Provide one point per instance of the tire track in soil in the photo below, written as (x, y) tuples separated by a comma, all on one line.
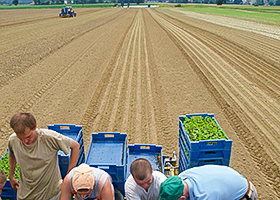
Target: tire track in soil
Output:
[(95, 117), (61, 26), (124, 106), (200, 65), (259, 102), (32, 21), (16, 36), (261, 46), (28, 104), (254, 62), (126, 102), (162, 121), (30, 60)]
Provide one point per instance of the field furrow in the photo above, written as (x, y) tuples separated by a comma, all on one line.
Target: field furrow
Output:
[(137, 70)]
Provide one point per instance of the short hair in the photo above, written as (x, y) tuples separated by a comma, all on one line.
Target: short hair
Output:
[(20, 121), (141, 168), (3, 177)]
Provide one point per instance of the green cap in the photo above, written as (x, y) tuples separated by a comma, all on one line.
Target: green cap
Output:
[(172, 188)]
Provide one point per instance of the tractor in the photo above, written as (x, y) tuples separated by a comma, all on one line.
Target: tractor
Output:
[(67, 12)]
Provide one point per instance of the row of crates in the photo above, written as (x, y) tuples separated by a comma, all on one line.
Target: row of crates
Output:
[(107, 151), (110, 152), (203, 152)]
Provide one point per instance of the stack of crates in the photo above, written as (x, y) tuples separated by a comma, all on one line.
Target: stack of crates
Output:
[(7, 191), (108, 151), (151, 152), (198, 153), (75, 132)]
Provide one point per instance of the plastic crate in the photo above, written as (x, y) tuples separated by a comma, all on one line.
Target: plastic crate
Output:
[(64, 160), (7, 191), (70, 130), (74, 132), (198, 153), (151, 152), (108, 151)]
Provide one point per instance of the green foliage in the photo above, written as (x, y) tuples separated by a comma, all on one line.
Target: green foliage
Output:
[(37, 2), (219, 2), (199, 128), (4, 164), (277, 3), (15, 2)]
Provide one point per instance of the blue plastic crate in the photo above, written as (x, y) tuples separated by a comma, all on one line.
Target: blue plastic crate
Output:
[(108, 151), (70, 130), (198, 153), (151, 152), (7, 191), (182, 161), (64, 160), (74, 132)]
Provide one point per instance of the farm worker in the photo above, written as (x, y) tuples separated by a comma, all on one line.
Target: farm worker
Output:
[(35, 150), (87, 182), (3, 179), (143, 183), (208, 182)]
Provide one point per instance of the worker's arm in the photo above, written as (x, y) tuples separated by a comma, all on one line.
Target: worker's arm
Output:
[(75, 148), (13, 181), (107, 192), (65, 189)]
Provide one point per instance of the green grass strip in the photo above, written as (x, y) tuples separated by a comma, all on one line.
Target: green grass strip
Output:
[(262, 14)]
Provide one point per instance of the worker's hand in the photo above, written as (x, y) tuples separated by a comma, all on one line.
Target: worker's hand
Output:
[(14, 183)]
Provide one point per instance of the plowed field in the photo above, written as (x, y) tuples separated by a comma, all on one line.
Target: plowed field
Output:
[(136, 70)]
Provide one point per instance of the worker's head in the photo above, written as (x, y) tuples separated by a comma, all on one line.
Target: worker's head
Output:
[(172, 189), (24, 125), (83, 180), (3, 179), (142, 172)]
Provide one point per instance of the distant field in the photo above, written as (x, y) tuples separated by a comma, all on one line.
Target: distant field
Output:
[(53, 6), (263, 14)]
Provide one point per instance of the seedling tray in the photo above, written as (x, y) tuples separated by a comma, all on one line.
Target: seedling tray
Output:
[(202, 152), (7, 191)]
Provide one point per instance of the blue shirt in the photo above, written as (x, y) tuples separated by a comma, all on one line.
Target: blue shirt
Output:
[(214, 182)]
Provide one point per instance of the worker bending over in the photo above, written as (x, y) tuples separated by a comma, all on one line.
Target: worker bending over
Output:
[(87, 182), (35, 151), (208, 182), (143, 183)]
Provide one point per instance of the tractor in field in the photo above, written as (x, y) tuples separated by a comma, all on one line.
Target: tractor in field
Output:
[(67, 12)]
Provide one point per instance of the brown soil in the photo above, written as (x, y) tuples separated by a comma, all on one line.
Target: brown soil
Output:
[(135, 71)]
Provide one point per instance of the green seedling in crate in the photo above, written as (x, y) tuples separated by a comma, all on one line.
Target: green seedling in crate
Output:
[(200, 128), (4, 165)]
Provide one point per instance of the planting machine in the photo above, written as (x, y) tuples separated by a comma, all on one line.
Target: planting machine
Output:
[(67, 12), (111, 152)]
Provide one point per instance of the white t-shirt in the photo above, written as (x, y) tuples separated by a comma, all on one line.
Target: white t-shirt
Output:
[(136, 192)]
